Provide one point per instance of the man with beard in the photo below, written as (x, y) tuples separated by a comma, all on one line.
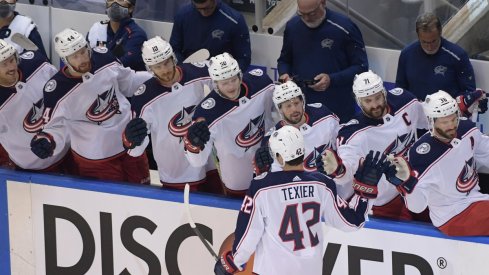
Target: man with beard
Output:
[(120, 34), (85, 103), (12, 22), (389, 123), (231, 121), (316, 122), (327, 49), (445, 161), (433, 63), (164, 106)]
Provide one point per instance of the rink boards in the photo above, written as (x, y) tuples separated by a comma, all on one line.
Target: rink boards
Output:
[(56, 225)]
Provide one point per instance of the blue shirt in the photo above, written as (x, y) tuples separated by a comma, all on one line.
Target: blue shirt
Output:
[(449, 70), (34, 36), (223, 31), (126, 44), (336, 48)]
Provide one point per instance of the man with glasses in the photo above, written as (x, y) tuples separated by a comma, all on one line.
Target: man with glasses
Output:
[(120, 34), (12, 22), (433, 63), (327, 49), (213, 25)]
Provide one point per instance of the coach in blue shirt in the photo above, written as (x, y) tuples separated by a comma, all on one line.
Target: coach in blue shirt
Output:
[(323, 45), (213, 25), (433, 63)]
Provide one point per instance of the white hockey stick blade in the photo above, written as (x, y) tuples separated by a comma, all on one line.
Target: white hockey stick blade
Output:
[(198, 56), (24, 42), (207, 90)]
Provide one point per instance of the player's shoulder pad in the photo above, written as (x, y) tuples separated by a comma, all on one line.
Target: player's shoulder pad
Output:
[(425, 151), (101, 56), (56, 88), (212, 107), (192, 71), (398, 98), (31, 61), (256, 82), (318, 111), (318, 176), (351, 127), (273, 129), (464, 126)]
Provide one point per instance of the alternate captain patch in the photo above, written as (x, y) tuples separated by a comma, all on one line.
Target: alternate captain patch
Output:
[(423, 148), (208, 103), (50, 86), (140, 90), (256, 72)]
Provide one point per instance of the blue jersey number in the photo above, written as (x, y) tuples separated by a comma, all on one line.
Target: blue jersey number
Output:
[(290, 229)]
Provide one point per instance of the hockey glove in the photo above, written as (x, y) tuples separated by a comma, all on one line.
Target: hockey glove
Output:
[(401, 175), (134, 134), (368, 174), (330, 164), (197, 136), (469, 101), (42, 145), (262, 161), (226, 266)]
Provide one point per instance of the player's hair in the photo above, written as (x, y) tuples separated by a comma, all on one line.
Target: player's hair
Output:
[(427, 22), (297, 161)]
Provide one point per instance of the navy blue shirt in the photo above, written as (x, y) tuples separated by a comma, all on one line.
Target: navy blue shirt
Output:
[(34, 36), (449, 70), (223, 31), (335, 47)]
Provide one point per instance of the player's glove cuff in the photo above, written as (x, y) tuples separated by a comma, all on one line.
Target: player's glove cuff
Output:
[(226, 265), (365, 190), (331, 164)]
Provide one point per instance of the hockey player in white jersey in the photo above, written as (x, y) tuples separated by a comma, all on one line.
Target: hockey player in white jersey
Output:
[(388, 123), (164, 106), (280, 218), (317, 123), (231, 120), (22, 106), (86, 103), (446, 160)]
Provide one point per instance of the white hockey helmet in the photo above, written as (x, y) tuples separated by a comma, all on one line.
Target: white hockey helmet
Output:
[(6, 50), (439, 104), (67, 42), (157, 50), (286, 91), (223, 66), (288, 142), (366, 84)]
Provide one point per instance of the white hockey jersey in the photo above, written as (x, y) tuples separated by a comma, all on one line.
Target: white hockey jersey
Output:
[(93, 110), (393, 134), (280, 221), (21, 112), (168, 113), (448, 180), (320, 131), (237, 127)]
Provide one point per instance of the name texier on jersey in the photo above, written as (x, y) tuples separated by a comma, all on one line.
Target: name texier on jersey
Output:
[(280, 221)]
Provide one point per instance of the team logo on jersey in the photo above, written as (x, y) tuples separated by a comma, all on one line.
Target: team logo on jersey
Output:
[(200, 64), (208, 103), (141, 89), (327, 43), (423, 148), (181, 121), (104, 107), (101, 49), (310, 160), (315, 105), (50, 86), (217, 34), (253, 132), (468, 177), (396, 91), (440, 70), (400, 146), (256, 72), (27, 55), (33, 120)]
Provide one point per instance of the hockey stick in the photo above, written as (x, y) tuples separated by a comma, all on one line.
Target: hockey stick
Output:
[(186, 195), (198, 56), (24, 42), (207, 90)]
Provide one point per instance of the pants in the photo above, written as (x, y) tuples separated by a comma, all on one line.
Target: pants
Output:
[(473, 221), (395, 209)]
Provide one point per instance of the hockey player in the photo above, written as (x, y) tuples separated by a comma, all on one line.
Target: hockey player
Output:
[(232, 119), (317, 123), (86, 103), (446, 160), (22, 107), (120, 34), (280, 216), (164, 105), (12, 22), (388, 123)]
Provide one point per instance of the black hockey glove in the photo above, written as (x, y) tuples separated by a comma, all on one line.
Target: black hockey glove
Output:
[(42, 145), (134, 134), (197, 136), (226, 266), (369, 173), (262, 161), (400, 174)]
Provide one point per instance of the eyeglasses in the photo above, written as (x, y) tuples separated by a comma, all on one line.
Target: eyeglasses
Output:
[(312, 13)]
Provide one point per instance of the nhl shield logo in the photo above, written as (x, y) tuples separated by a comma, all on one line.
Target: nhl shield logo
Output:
[(104, 107), (33, 121), (253, 133), (181, 121)]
